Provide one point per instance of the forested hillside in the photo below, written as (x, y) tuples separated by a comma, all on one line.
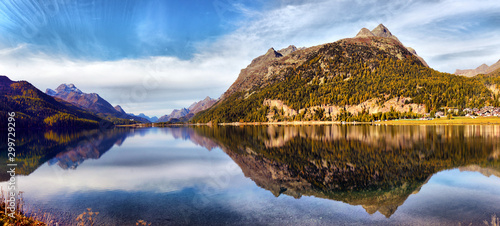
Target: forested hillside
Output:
[(350, 72), (34, 109)]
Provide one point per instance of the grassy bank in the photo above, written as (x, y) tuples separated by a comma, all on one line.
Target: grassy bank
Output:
[(461, 120), (19, 219), (445, 121)]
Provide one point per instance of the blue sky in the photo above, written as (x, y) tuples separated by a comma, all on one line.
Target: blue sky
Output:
[(116, 29), (153, 56)]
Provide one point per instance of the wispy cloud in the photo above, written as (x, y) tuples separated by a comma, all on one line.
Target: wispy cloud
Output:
[(448, 34), (166, 81)]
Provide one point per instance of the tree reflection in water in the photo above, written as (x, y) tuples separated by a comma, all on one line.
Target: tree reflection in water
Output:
[(377, 167)]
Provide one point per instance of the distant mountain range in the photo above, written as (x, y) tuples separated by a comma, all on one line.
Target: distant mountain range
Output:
[(185, 114), (369, 77), (482, 69), (33, 108), (142, 115), (69, 106), (91, 102)]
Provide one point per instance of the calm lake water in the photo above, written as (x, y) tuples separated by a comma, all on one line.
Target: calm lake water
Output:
[(278, 175)]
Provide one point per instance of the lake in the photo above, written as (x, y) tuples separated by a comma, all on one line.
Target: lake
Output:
[(261, 175)]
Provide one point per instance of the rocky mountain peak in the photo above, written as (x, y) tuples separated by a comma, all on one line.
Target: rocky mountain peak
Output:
[(188, 113), (119, 108), (482, 67), (88, 101), (287, 50), (273, 53), (382, 31), (50, 92), (412, 50), (68, 88), (207, 99), (364, 33), (201, 105)]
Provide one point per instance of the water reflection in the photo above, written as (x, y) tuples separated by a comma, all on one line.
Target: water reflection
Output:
[(66, 148), (91, 148), (377, 167)]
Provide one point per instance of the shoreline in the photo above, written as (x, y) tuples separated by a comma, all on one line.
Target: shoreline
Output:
[(492, 120)]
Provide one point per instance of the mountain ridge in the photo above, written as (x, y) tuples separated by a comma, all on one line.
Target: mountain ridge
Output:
[(185, 114), (383, 31), (142, 115), (92, 102), (481, 69), (34, 108), (326, 81)]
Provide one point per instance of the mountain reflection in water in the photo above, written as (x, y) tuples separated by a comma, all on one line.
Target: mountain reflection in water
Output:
[(377, 167), (66, 148)]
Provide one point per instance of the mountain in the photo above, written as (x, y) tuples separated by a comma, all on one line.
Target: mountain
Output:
[(264, 67), (364, 32), (93, 103), (382, 31), (492, 82), (142, 115), (482, 69), (174, 115), (185, 114), (367, 75), (119, 109), (201, 105), (90, 101), (33, 108), (288, 50)]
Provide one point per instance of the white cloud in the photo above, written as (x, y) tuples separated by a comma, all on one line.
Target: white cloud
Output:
[(433, 28), (127, 82)]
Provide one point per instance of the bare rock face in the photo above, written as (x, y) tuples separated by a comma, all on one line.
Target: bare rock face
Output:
[(271, 54), (287, 50), (482, 69), (119, 108), (202, 105), (365, 33), (382, 31), (372, 106), (412, 51)]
